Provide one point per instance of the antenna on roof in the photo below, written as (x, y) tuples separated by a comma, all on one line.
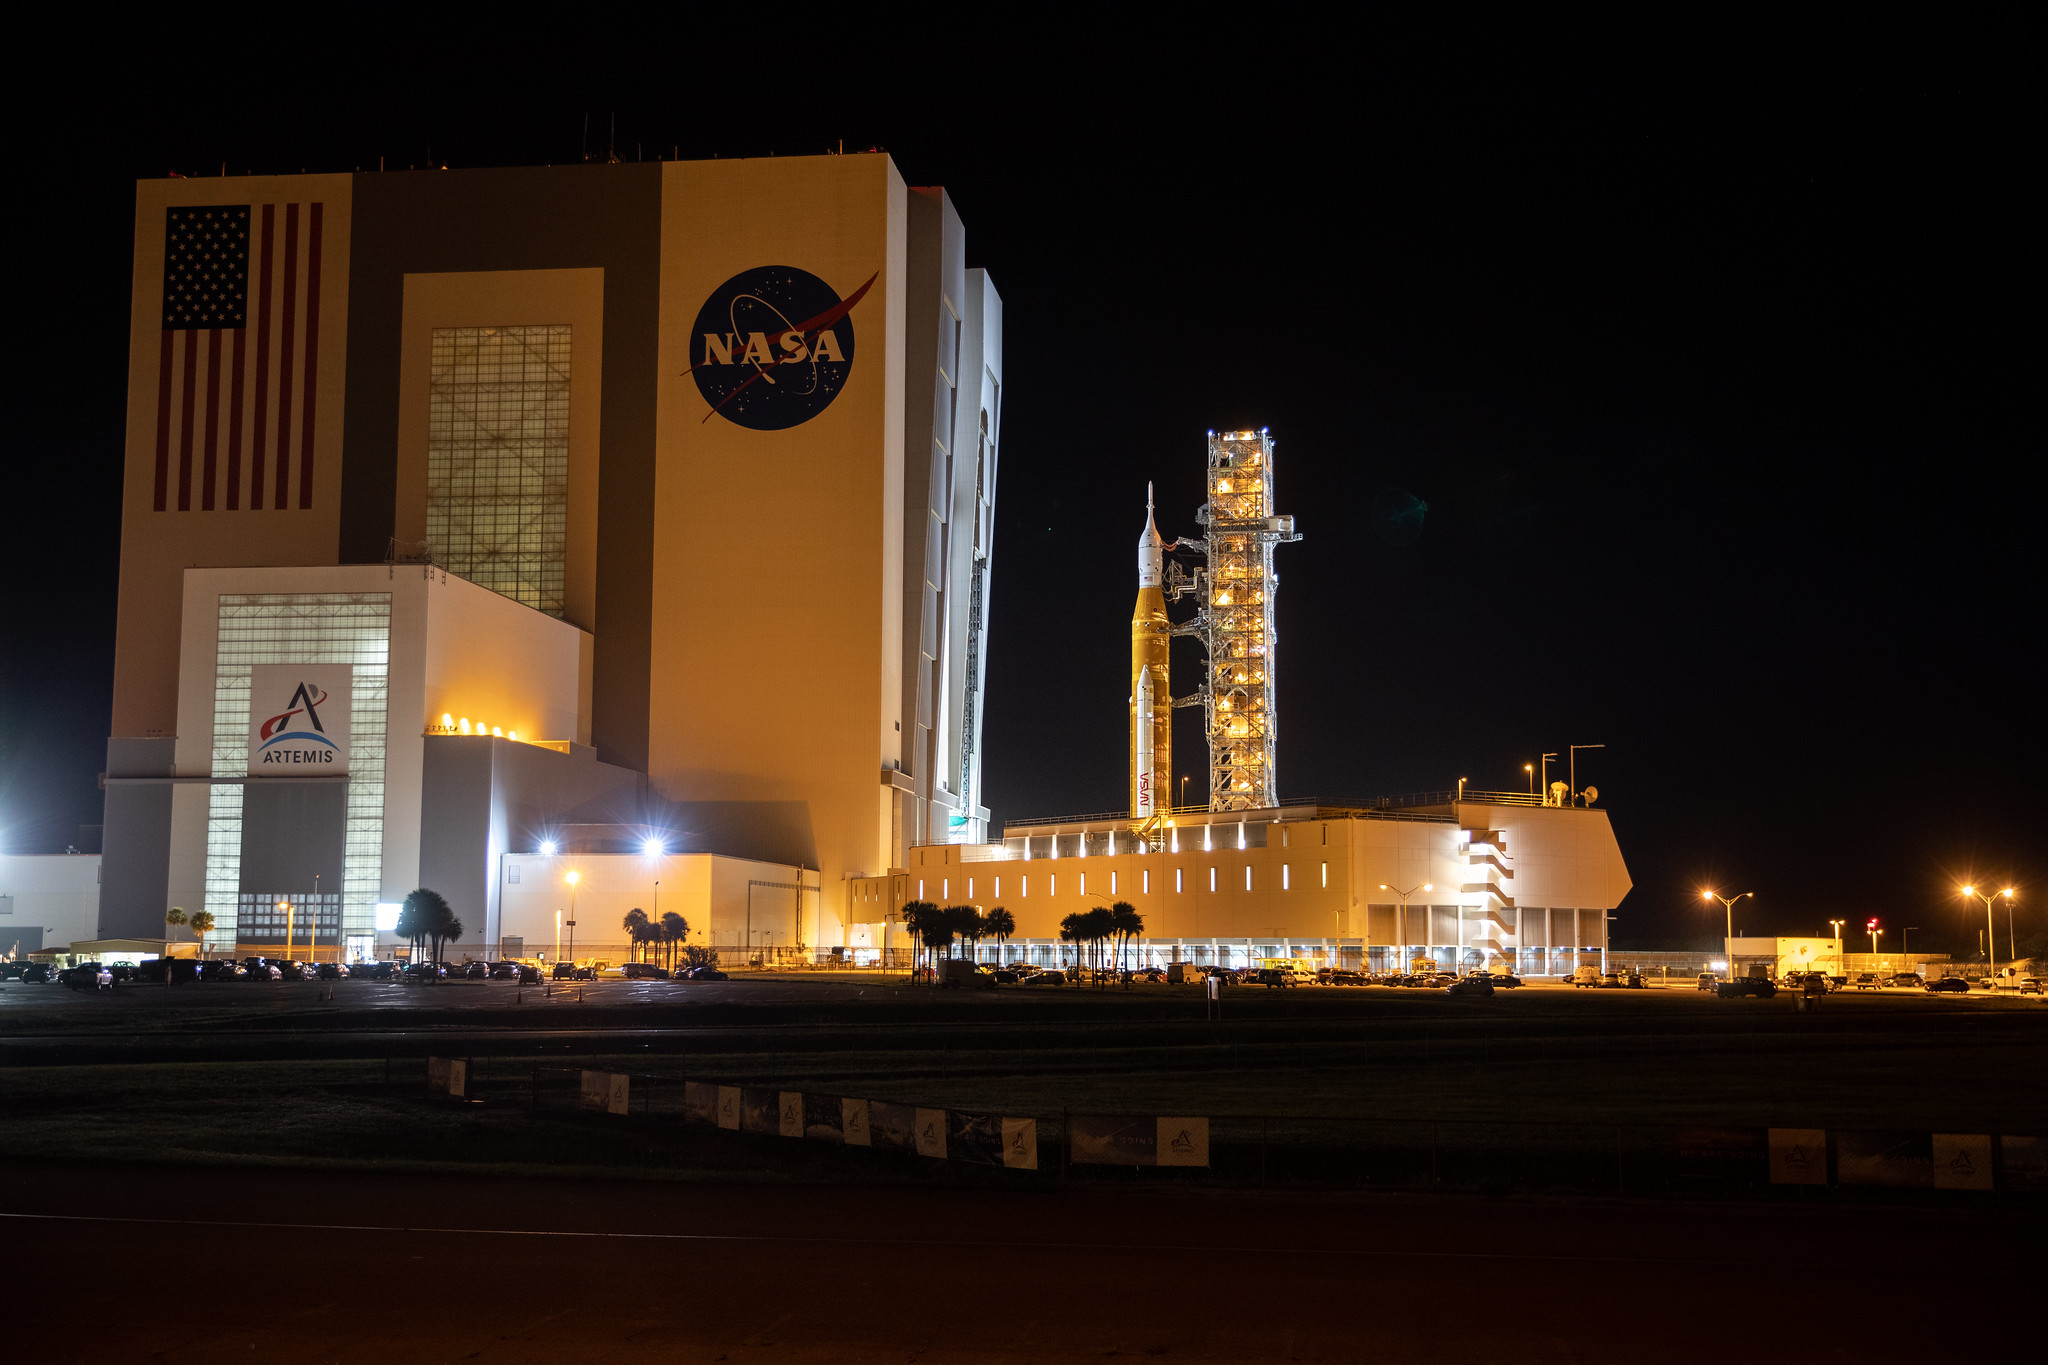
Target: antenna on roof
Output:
[(584, 153), (611, 150)]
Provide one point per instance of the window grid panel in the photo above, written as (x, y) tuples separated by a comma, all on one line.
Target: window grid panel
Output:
[(498, 459), (300, 628)]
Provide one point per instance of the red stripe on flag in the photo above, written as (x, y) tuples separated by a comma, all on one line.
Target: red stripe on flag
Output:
[(312, 353), (163, 422), (285, 338), (212, 462), (188, 391), (262, 429), (235, 423)]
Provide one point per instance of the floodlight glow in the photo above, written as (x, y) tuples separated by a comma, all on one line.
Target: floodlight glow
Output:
[(573, 878), (652, 848), (387, 915), (547, 848)]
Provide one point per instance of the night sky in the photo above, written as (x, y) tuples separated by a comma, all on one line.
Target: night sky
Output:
[(1664, 395)]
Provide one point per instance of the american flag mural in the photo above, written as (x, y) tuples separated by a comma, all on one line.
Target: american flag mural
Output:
[(240, 357)]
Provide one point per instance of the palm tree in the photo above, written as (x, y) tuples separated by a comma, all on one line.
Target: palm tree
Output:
[(999, 924), (1072, 931), (918, 917), (965, 923), (674, 929), (175, 918), (202, 925), (427, 915), (1097, 926), (1127, 923), (636, 925)]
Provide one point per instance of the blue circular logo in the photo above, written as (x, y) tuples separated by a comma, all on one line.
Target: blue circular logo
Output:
[(773, 346)]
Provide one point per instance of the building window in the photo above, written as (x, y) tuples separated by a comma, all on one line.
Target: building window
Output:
[(1176, 880), (999, 888), (1024, 887), (351, 628), (946, 888), (920, 888), (1326, 875), (1212, 879), (1112, 883), (1145, 881), (1284, 883), (1247, 876), (1052, 883), (498, 459), (1084, 882)]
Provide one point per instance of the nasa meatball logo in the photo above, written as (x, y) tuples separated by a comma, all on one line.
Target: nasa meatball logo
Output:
[(773, 346)]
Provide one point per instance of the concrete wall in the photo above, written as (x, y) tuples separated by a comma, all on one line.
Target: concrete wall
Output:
[(56, 893)]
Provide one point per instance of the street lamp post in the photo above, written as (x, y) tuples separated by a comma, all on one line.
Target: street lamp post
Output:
[(1906, 953), (286, 906), (1875, 934), (572, 879), (1404, 895), (1991, 929), (1728, 903)]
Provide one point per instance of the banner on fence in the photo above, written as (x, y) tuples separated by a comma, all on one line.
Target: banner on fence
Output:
[(853, 1123), (823, 1121), (448, 1075), (790, 1114), (974, 1138), (931, 1133), (1877, 1157), (605, 1091), (729, 1107), (1020, 1144), (893, 1125), (1799, 1156), (1183, 1142), (760, 1111), (700, 1102), (2025, 1160), (1713, 1147), (1962, 1161)]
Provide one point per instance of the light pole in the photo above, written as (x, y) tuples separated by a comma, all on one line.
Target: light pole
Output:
[(313, 925), (1575, 765), (573, 878), (1404, 895), (1545, 760), (1728, 903), (1836, 925), (1905, 953), (1530, 769), (1874, 934), (1990, 929)]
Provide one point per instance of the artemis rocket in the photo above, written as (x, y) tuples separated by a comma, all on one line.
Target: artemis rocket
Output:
[(1151, 696)]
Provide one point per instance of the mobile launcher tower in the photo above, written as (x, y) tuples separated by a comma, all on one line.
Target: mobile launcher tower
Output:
[(1233, 621)]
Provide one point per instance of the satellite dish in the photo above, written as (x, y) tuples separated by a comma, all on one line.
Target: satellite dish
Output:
[(1592, 795)]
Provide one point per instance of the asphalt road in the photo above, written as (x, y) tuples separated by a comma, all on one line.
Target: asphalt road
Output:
[(192, 1264)]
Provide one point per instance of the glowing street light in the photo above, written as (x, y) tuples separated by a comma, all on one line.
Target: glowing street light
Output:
[(572, 878), (1836, 925), (1404, 895), (1990, 929), (547, 848), (1728, 903), (1875, 934)]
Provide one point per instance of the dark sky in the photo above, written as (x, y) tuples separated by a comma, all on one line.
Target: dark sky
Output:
[(1703, 350)]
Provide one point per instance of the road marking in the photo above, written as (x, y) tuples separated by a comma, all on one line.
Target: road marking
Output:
[(1355, 1253)]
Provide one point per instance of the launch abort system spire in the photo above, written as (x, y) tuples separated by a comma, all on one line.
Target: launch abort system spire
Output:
[(1235, 623)]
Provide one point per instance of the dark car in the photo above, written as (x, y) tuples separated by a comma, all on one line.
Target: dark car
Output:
[(332, 971), (1708, 981), (261, 969), (38, 974), (705, 974), (1005, 976), (1748, 985), (1477, 984), (1503, 981), (11, 971), (1949, 985), (373, 971), (425, 971), (1868, 981), (504, 971), (87, 976), (297, 971), (473, 971), (1345, 978), (178, 970), (1051, 978), (222, 969), (645, 971), (529, 975), (1912, 979), (564, 971)]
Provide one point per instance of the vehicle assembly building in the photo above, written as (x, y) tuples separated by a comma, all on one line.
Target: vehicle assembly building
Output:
[(622, 510)]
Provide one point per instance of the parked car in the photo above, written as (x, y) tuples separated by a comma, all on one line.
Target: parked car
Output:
[(1272, 978), (38, 974), (1868, 981), (222, 969), (1479, 983), (1586, 976), (297, 971), (2030, 985), (88, 976), (374, 971), (564, 971), (1913, 979), (1748, 985), (645, 971), (333, 971), (1952, 985), (261, 969), (957, 973), (705, 974), (176, 970), (1344, 978), (1048, 978), (1709, 982), (11, 971), (1006, 976), (425, 971)]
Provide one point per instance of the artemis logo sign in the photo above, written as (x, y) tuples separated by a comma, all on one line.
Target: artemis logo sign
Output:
[(299, 719), (773, 346)]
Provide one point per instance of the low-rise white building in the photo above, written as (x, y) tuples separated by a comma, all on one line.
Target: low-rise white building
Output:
[(47, 899)]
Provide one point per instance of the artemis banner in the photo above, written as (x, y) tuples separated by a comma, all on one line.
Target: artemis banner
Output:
[(299, 719)]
